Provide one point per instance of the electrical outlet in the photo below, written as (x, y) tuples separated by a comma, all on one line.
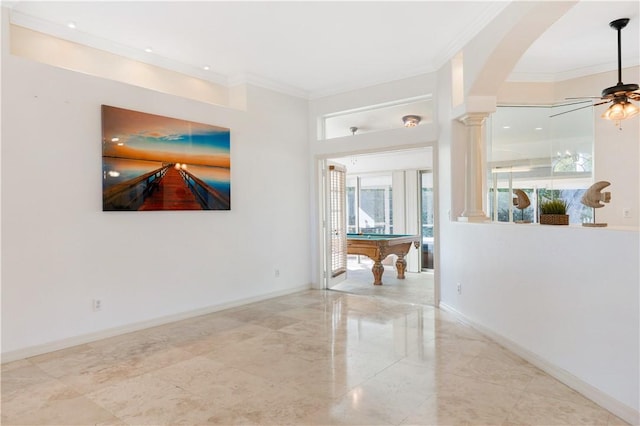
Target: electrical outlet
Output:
[(626, 213), (459, 288), (97, 305)]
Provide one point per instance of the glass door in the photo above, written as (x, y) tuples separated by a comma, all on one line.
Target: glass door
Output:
[(336, 224), (375, 204), (426, 218)]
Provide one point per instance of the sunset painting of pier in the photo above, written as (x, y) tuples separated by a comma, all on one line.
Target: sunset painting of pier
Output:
[(151, 162)]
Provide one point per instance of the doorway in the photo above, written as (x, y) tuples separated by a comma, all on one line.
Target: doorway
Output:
[(391, 192)]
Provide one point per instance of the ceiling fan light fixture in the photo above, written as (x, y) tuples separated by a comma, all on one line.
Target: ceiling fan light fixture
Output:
[(630, 110), (411, 120), (620, 110), (620, 95), (615, 112)]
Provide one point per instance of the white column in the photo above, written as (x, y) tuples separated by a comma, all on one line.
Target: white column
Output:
[(474, 168)]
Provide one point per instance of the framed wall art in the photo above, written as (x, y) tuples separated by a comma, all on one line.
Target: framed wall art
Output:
[(151, 162)]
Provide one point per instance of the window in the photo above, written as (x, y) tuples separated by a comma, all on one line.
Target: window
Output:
[(426, 203), (352, 204), (546, 151), (369, 204), (426, 218)]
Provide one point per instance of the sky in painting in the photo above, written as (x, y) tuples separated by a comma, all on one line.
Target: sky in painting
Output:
[(141, 136)]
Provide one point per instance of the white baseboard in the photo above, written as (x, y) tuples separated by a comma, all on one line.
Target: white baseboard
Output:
[(607, 402), (115, 331)]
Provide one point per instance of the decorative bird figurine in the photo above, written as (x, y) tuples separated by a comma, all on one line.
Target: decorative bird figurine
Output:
[(594, 197)]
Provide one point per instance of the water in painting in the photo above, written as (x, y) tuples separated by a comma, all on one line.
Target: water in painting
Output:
[(150, 162)]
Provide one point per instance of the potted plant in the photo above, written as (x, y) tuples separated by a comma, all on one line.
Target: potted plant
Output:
[(554, 212)]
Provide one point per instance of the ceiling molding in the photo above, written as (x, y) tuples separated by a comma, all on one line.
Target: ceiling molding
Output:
[(364, 83), (521, 77), (265, 83), (471, 31), (80, 37), (318, 89)]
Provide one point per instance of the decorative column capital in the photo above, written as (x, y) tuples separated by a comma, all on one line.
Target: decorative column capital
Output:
[(474, 119)]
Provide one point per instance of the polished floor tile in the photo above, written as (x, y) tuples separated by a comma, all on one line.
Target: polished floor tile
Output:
[(415, 288), (380, 356)]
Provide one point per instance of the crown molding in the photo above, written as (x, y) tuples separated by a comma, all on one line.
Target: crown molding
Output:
[(265, 83), (470, 32), (522, 77), (83, 38), (363, 83)]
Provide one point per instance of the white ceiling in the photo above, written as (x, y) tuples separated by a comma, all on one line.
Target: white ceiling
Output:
[(582, 43), (317, 48)]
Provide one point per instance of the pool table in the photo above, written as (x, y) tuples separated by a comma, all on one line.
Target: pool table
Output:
[(378, 246)]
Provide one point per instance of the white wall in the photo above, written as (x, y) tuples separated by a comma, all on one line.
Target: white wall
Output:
[(568, 295), (51, 50), (60, 251), (566, 298)]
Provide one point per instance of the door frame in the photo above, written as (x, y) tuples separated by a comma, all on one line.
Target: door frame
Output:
[(320, 164)]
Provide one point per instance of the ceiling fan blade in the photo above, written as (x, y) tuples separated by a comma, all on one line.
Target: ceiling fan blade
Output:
[(587, 97), (576, 109), (581, 101)]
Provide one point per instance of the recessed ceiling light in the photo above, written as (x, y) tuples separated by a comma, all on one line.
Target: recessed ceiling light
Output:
[(538, 128), (206, 68), (506, 127), (72, 25), (115, 139), (148, 50)]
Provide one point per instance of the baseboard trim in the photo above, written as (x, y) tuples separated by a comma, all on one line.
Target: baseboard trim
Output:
[(607, 402), (115, 331)]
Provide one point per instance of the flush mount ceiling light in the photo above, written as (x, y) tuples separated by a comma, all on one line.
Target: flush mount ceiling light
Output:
[(411, 120)]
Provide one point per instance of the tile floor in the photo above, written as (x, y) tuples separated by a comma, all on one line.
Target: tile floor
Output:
[(310, 358), (415, 288)]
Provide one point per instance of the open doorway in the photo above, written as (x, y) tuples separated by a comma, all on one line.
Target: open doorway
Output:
[(390, 194)]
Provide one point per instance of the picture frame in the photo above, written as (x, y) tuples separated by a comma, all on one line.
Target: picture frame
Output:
[(152, 162)]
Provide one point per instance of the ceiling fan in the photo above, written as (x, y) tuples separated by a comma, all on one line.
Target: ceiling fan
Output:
[(619, 95)]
